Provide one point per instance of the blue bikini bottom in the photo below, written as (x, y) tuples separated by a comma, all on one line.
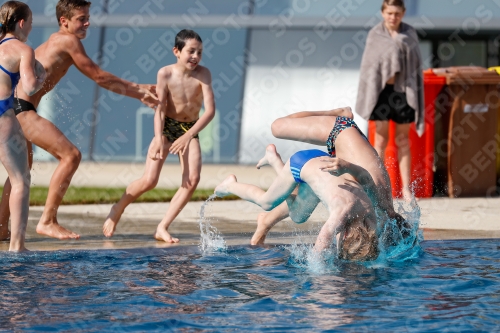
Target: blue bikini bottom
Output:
[(300, 158)]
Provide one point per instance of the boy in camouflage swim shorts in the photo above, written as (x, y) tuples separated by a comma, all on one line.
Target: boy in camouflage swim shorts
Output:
[(182, 88)]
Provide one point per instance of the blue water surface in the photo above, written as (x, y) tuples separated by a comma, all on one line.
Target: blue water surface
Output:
[(450, 286)]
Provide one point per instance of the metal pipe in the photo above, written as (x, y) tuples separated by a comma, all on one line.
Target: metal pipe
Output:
[(95, 104), (246, 51)]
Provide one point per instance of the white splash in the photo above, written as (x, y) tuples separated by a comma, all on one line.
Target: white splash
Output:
[(400, 242), (210, 238)]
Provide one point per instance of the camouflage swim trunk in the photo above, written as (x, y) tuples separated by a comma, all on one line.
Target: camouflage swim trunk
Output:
[(174, 129)]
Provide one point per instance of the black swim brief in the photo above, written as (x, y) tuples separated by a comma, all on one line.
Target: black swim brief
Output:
[(174, 129), (392, 105), (20, 105), (341, 123)]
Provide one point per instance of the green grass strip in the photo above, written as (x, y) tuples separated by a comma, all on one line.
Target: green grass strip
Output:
[(97, 195)]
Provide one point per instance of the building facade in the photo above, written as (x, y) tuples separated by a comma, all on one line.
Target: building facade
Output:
[(268, 58)]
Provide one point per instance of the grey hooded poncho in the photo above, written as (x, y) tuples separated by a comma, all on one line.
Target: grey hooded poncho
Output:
[(385, 57)]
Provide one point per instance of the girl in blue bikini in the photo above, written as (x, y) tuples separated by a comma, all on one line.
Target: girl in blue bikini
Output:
[(17, 62), (351, 218), (335, 129)]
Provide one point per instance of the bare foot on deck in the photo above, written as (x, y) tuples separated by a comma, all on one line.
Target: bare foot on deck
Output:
[(163, 235), (270, 157), (4, 234), (260, 234), (54, 230), (222, 189), (18, 250), (109, 227)]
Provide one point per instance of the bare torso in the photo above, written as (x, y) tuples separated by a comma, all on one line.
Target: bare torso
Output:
[(326, 186), (55, 58), (354, 148), (185, 96)]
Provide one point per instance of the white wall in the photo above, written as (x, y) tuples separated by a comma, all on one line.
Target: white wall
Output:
[(293, 72)]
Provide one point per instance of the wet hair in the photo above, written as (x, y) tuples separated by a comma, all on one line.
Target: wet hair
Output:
[(397, 3), (360, 244), (12, 12), (184, 35), (65, 8)]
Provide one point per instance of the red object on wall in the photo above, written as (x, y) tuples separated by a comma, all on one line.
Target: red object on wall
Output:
[(422, 148)]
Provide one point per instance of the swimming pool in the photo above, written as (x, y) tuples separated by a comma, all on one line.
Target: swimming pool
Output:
[(450, 286)]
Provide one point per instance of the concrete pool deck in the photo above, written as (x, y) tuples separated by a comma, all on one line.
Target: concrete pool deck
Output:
[(441, 218)]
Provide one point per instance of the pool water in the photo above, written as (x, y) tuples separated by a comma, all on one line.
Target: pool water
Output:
[(448, 286)]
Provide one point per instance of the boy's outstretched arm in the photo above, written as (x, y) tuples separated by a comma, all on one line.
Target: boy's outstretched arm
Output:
[(28, 69), (180, 145), (144, 92), (157, 151), (337, 166)]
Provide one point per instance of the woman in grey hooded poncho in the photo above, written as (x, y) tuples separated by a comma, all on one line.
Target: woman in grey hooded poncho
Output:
[(390, 86)]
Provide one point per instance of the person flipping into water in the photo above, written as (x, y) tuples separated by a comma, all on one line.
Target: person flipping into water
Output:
[(182, 88), (17, 64), (335, 129), (62, 50), (351, 220)]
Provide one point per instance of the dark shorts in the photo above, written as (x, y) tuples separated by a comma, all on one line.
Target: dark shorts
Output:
[(20, 105), (174, 129), (392, 105)]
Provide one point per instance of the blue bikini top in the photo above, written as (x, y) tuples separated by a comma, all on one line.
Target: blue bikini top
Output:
[(8, 103)]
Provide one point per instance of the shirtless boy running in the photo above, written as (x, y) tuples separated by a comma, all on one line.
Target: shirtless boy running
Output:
[(62, 50), (182, 88)]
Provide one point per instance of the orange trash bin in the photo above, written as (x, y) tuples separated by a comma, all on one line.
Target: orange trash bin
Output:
[(422, 148)]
